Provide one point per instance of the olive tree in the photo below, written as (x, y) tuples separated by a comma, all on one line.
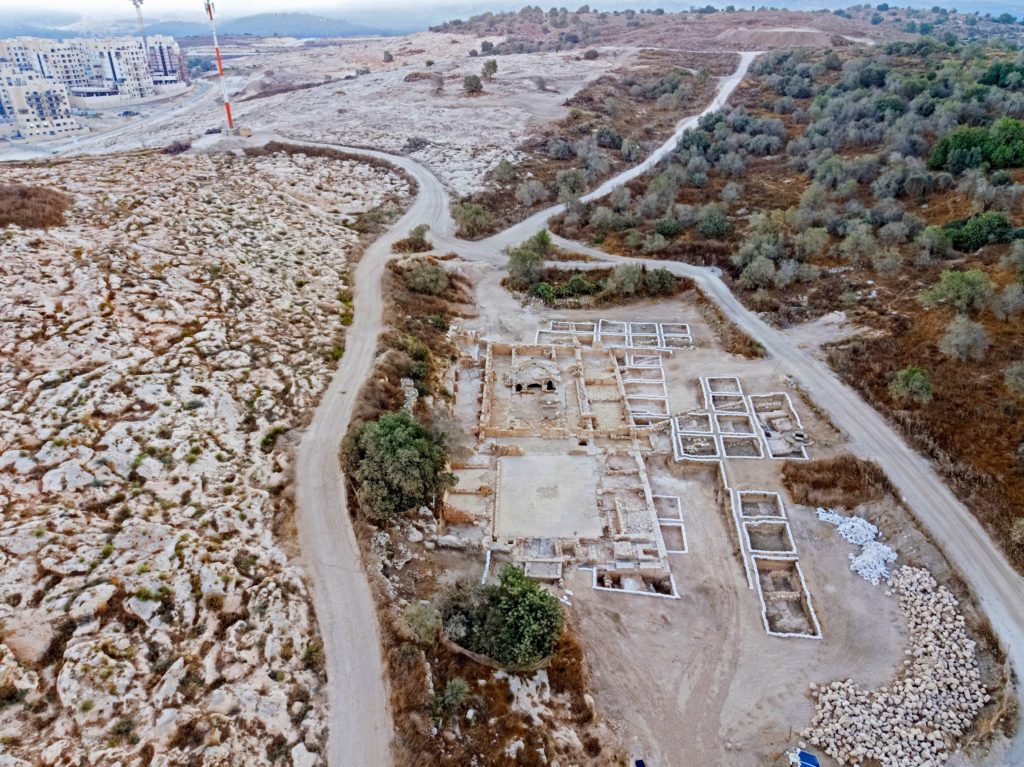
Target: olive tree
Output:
[(964, 340)]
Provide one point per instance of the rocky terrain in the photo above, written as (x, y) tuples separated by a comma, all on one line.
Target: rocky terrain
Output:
[(918, 718), (156, 352)]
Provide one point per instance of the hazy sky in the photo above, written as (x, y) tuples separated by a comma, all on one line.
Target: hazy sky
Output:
[(163, 7)]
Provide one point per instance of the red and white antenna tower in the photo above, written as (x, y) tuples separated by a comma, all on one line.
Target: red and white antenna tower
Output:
[(220, 65)]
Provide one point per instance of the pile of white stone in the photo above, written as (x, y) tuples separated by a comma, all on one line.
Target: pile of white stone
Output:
[(872, 563), (919, 717)]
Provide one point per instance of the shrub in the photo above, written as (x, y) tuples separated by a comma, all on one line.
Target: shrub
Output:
[(515, 623), (713, 223), (608, 138), (977, 231), (655, 243), (934, 242), (451, 700), (1015, 259), (504, 171), (999, 146), (660, 282), (526, 262), (590, 54), (559, 149), (630, 150), (416, 242), (571, 184), (1009, 303), (177, 147), (964, 340), (473, 220), (1014, 377), (625, 280), (759, 273), (811, 242), (531, 192), (430, 279), (472, 84), (32, 207), (544, 292), (912, 383), (490, 69), (423, 621), (968, 291), (396, 464)]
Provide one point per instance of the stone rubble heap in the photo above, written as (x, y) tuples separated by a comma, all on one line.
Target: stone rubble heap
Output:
[(872, 563), (917, 720), (157, 353)]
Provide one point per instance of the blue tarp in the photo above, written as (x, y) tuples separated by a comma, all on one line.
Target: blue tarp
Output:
[(808, 760)]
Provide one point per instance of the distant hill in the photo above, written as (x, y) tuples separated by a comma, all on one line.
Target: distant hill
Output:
[(18, 29), (294, 25)]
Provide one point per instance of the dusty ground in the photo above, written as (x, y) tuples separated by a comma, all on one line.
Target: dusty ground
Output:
[(698, 680), (158, 349)]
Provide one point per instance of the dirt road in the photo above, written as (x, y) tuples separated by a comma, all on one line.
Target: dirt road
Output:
[(359, 719)]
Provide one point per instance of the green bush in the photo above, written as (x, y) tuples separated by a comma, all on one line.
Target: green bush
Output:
[(430, 279), (968, 291), (473, 220), (660, 282), (912, 383), (625, 280), (713, 223), (968, 235), (472, 84), (396, 464), (451, 700), (526, 262), (999, 146), (759, 273), (515, 623), (544, 292)]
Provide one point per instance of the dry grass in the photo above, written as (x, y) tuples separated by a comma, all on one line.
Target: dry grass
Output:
[(730, 337), (845, 481), (32, 207)]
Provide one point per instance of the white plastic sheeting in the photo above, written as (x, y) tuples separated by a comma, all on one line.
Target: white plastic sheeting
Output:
[(872, 563)]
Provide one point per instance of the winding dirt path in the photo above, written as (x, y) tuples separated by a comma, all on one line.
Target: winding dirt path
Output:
[(359, 718)]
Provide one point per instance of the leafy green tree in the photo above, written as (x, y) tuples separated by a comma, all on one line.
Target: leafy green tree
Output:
[(625, 280), (912, 383), (660, 282), (515, 622), (713, 223), (526, 262), (968, 291), (396, 464), (472, 84), (978, 231), (490, 69)]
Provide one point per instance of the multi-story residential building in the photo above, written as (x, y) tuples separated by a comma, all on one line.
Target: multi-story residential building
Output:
[(37, 106), (100, 72)]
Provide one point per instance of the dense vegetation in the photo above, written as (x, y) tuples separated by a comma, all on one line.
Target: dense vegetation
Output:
[(397, 464), (514, 622), (887, 182)]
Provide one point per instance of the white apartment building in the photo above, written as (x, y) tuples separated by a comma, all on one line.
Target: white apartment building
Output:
[(36, 106), (100, 72)]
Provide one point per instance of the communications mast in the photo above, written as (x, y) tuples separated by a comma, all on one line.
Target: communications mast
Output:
[(142, 26), (220, 65)]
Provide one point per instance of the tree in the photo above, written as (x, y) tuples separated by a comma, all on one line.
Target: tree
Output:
[(489, 69), (964, 340), (1014, 377), (625, 280), (912, 383), (759, 273), (968, 291), (660, 282), (396, 464), (427, 278), (515, 623), (978, 231), (1015, 259), (1009, 302), (713, 223), (590, 54), (472, 84), (531, 192), (526, 262)]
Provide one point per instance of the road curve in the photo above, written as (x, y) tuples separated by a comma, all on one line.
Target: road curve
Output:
[(359, 718), (347, 617)]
